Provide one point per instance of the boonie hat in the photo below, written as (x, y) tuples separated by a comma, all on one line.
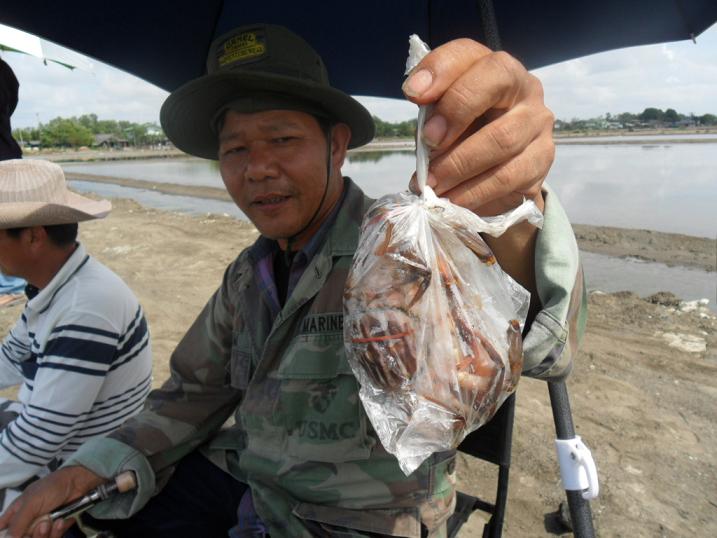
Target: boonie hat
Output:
[(252, 69), (34, 193)]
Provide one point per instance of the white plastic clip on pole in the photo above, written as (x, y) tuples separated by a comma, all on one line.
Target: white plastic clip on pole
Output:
[(577, 467)]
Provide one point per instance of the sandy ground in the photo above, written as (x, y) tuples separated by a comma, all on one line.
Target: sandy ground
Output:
[(647, 409)]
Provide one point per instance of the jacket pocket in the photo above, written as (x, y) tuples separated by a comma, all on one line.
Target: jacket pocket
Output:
[(318, 401), (338, 522)]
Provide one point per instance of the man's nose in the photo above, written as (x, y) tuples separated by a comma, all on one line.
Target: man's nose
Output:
[(261, 164)]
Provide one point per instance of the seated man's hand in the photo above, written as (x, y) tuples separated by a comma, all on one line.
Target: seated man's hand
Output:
[(24, 516), (489, 131)]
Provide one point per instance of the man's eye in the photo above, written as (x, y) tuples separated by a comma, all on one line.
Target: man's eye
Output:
[(234, 149), (284, 139)]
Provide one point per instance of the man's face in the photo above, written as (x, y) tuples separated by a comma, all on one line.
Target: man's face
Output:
[(14, 255), (273, 164)]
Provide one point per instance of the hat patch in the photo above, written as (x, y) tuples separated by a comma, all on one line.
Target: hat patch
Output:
[(242, 48)]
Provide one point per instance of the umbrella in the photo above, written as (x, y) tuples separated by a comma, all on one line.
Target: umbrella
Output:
[(363, 43), (12, 40)]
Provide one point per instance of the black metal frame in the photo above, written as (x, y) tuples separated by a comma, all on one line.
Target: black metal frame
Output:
[(492, 443)]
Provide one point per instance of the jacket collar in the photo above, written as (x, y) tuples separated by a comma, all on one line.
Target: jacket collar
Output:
[(343, 236), (342, 240)]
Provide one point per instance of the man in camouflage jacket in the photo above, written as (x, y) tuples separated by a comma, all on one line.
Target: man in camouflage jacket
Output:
[(260, 385)]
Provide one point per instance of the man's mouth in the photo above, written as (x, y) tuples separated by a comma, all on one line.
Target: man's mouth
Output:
[(272, 199)]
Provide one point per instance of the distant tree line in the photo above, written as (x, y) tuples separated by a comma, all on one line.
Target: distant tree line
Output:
[(648, 118), (404, 129), (88, 130)]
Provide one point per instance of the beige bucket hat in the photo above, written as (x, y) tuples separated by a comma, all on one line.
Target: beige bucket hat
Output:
[(34, 193)]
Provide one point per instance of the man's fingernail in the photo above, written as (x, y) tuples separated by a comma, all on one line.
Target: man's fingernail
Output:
[(435, 131), (413, 184), (431, 181), (43, 527), (418, 83)]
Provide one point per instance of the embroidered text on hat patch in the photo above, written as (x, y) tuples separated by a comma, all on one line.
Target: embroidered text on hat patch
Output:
[(245, 47)]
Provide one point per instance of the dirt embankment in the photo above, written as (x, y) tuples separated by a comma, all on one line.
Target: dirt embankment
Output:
[(667, 248), (643, 389)]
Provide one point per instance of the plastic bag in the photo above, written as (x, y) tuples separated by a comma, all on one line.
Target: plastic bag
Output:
[(432, 325)]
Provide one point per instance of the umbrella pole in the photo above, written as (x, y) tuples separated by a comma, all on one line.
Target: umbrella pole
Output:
[(580, 513), (489, 24)]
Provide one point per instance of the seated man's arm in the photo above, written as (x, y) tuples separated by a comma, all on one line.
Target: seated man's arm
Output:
[(15, 348), (192, 405), (177, 418), (64, 382)]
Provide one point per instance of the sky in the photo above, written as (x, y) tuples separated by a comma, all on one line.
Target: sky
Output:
[(680, 75)]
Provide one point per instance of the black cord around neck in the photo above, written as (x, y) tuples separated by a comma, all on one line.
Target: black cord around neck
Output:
[(292, 239)]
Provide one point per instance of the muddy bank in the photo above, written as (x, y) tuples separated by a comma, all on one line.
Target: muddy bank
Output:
[(670, 249)]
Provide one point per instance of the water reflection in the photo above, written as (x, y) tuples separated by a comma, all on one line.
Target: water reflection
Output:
[(187, 171), (375, 156), (390, 174), (158, 200), (672, 189), (595, 188), (669, 188), (609, 274), (702, 137)]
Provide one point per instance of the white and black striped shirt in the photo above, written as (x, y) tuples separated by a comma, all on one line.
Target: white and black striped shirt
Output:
[(82, 353)]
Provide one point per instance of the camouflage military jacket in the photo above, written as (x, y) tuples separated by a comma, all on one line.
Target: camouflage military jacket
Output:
[(300, 437)]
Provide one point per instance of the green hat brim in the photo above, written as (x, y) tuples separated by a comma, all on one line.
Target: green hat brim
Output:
[(188, 113)]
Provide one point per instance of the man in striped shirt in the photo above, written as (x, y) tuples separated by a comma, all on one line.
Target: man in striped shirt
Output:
[(80, 350)]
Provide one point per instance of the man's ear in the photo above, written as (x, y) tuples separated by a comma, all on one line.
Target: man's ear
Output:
[(340, 137), (36, 236)]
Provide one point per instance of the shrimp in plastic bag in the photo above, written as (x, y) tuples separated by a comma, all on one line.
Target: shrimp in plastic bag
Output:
[(432, 324)]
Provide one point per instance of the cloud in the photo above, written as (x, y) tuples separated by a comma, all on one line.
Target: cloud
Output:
[(678, 75), (391, 110), (49, 91)]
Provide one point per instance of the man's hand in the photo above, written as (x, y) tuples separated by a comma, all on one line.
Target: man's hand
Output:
[(489, 130), (491, 137), (23, 517)]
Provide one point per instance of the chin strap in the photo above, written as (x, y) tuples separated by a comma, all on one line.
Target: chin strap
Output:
[(292, 239)]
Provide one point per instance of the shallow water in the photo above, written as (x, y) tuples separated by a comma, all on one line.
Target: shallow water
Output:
[(669, 188), (701, 137), (610, 274), (158, 200), (189, 171), (663, 187)]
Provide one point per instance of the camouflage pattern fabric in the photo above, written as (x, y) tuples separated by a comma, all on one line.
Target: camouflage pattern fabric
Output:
[(300, 437)]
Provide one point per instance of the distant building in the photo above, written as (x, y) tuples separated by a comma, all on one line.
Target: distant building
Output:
[(109, 141)]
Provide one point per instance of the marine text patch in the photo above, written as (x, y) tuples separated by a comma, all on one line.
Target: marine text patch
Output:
[(320, 323)]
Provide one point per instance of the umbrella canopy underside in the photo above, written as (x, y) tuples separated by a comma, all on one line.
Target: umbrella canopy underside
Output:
[(364, 44)]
